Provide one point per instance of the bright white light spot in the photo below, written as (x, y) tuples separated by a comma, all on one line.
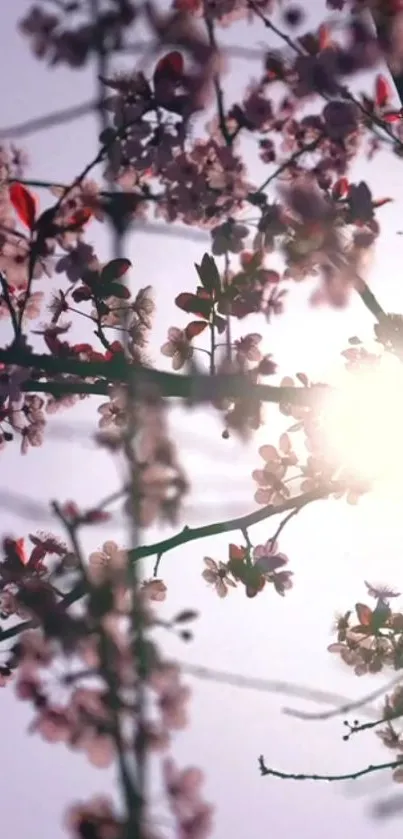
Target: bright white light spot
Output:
[(363, 425)]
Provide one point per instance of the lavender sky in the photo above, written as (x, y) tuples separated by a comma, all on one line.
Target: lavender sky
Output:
[(332, 548)]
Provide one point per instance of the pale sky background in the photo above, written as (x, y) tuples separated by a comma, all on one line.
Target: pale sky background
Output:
[(332, 547)]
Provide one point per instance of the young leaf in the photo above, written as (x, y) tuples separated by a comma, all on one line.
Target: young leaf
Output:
[(393, 116), (114, 290), (303, 378), (115, 269), (381, 202), (324, 39), (185, 616), (340, 188), (169, 67), (193, 305), (24, 204), (382, 91), (209, 274), (15, 549), (195, 328), (364, 614), (79, 218)]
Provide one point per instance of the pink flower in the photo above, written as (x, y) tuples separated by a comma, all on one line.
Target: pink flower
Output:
[(267, 557), (114, 412), (278, 460), (381, 592), (154, 589), (96, 818), (172, 696), (247, 348), (104, 563), (228, 237), (193, 815), (218, 576), (268, 560), (177, 347), (11, 380)]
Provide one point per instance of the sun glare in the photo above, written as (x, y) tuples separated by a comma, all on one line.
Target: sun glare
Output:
[(363, 425)]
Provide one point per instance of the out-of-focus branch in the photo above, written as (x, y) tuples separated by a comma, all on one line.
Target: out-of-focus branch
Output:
[(200, 388), (55, 118), (347, 707), (239, 680)]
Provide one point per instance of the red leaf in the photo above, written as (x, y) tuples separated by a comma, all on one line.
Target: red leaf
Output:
[(94, 516), (340, 188), (24, 204), (115, 269), (15, 548), (169, 67), (195, 328), (236, 553), (364, 614), (382, 91), (80, 218), (193, 304), (37, 555), (381, 202), (393, 116), (115, 349), (324, 38), (209, 274)]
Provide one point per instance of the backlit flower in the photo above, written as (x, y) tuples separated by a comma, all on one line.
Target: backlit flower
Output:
[(218, 576), (177, 347)]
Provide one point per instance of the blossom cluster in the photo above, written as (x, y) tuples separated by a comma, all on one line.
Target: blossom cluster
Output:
[(324, 225), (252, 568), (77, 705)]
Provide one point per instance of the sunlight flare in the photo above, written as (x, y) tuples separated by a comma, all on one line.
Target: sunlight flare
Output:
[(363, 424)]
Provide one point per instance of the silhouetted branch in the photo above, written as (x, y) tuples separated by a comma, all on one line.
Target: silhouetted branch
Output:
[(347, 776), (198, 388), (242, 523), (32, 126)]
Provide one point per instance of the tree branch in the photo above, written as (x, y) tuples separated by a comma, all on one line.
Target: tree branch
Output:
[(242, 523), (348, 776), (201, 388)]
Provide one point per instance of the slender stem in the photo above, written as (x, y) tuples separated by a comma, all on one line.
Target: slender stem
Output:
[(9, 304), (348, 776), (241, 523), (212, 349)]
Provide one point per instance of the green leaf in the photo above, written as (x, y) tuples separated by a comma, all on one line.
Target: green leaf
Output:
[(209, 274)]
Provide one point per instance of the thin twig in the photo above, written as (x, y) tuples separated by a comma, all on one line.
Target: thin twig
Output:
[(347, 776), (242, 523)]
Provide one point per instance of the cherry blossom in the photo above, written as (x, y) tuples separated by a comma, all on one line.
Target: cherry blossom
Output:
[(177, 347), (217, 575)]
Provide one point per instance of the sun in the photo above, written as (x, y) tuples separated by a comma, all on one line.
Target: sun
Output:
[(362, 422)]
